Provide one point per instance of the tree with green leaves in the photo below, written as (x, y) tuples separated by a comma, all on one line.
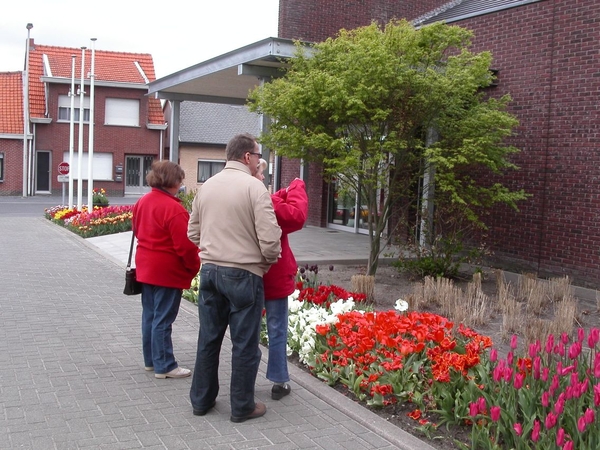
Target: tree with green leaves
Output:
[(365, 105)]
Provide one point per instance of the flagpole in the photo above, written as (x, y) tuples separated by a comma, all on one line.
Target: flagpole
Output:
[(91, 132), (71, 131), (80, 146)]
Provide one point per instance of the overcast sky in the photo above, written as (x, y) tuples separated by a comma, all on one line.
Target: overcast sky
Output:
[(177, 33)]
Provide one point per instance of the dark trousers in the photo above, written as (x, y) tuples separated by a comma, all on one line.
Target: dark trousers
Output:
[(235, 298)]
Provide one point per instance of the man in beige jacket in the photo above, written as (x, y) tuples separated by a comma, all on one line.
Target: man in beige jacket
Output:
[(234, 224)]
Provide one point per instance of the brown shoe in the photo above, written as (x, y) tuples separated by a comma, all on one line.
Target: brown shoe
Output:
[(259, 411)]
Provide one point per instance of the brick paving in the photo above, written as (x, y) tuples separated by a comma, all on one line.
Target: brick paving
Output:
[(71, 369)]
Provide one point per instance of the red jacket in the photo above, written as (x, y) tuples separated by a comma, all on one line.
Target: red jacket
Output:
[(164, 255), (291, 210)]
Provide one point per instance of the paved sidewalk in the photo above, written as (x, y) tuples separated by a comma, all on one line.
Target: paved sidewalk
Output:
[(71, 369)]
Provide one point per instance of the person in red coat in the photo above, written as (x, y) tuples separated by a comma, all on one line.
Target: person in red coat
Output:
[(291, 210), (166, 263)]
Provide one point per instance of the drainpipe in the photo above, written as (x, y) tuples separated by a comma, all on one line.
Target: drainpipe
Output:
[(26, 110)]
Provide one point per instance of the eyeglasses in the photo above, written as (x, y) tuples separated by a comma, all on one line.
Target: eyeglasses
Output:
[(257, 154)]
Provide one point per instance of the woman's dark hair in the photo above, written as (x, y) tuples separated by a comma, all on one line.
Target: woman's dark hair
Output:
[(165, 174)]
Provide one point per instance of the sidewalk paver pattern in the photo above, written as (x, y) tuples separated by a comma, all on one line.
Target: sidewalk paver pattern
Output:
[(72, 375)]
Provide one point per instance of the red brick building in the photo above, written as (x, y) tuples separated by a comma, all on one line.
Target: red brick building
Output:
[(547, 54), (128, 131)]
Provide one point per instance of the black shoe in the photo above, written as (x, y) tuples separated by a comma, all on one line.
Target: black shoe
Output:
[(202, 412), (259, 410), (278, 392)]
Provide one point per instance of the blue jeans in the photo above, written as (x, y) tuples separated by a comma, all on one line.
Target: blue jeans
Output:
[(234, 297), (160, 306), (277, 330)]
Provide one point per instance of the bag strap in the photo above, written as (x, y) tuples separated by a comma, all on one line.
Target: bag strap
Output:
[(130, 251)]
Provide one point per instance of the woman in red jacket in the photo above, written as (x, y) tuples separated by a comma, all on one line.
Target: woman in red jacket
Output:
[(166, 262), (291, 210)]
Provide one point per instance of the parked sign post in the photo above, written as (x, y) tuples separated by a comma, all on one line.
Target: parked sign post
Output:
[(63, 177)]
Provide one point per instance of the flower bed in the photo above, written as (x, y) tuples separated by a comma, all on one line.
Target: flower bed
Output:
[(97, 222)]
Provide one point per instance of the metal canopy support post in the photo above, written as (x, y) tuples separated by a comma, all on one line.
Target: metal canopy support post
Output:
[(174, 144)]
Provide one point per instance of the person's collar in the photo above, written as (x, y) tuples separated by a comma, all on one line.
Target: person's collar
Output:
[(238, 166)]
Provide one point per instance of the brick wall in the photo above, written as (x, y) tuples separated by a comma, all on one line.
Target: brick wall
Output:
[(13, 166), (316, 20), (547, 55)]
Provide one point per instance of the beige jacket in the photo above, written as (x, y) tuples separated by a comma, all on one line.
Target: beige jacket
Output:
[(233, 221)]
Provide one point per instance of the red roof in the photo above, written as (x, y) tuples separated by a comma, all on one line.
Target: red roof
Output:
[(114, 67), (11, 103)]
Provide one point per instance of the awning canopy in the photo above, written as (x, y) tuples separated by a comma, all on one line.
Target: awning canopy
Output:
[(227, 78)]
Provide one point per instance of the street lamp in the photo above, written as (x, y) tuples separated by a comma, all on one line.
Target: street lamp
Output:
[(26, 110)]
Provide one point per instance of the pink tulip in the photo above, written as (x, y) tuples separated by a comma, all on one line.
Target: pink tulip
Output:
[(535, 433), (594, 337), (481, 404), (545, 399), (537, 363), (519, 379), (597, 395), (580, 334), (581, 425), (518, 429), (513, 341), (510, 358), (493, 355), (564, 338), (597, 365), (589, 416), (550, 421), (473, 409), (574, 350), (495, 413), (560, 437), (583, 387), (559, 406), (545, 374), (508, 374), (532, 350), (549, 343), (559, 349), (568, 446)]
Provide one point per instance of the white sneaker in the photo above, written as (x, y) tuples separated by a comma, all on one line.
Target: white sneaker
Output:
[(179, 372)]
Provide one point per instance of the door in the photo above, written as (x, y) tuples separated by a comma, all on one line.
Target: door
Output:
[(42, 172), (136, 169)]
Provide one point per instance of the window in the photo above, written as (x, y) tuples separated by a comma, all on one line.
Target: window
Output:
[(64, 108), (207, 169), (102, 166), (1, 166), (123, 112)]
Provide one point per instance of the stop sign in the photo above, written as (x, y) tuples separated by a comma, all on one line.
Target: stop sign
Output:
[(63, 168)]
